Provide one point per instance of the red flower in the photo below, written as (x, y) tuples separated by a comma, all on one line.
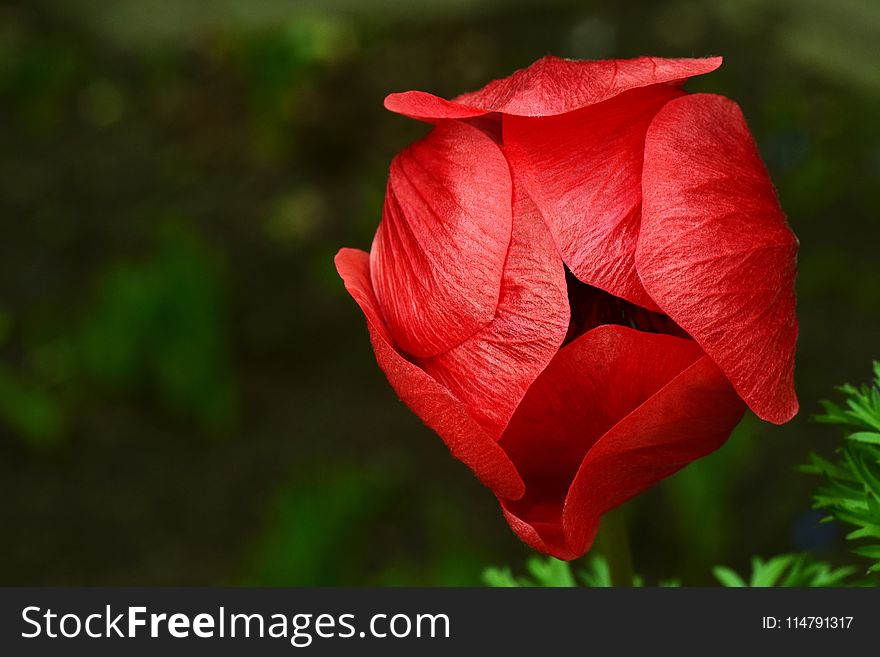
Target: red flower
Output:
[(581, 278)]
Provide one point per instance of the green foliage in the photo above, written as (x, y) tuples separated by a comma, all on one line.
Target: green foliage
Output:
[(786, 570), (851, 491), (555, 573), (862, 406), (312, 527), (30, 411), (597, 574), (35, 76), (544, 572), (158, 326), (27, 407), (278, 68)]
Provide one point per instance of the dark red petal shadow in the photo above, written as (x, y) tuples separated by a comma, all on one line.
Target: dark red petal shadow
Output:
[(584, 171), (435, 405), (491, 371), (715, 251), (552, 86), (438, 255), (581, 434)]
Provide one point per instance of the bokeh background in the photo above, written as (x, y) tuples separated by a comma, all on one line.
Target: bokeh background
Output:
[(187, 394)]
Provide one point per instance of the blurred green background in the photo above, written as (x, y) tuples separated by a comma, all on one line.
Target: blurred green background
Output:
[(187, 394)]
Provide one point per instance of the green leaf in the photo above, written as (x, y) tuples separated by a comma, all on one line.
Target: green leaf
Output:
[(865, 532), (500, 578), (871, 437), (551, 572), (597, 574), (769, 573), (728, 577), (869, 551)]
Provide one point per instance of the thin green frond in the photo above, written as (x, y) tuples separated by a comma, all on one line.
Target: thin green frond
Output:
[(547, 571), (500, 578), (597, 574), (550, 572), (850, 492), (728, 577), (786, 570)]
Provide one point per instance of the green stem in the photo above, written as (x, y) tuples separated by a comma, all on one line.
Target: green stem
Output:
[(613, 543)]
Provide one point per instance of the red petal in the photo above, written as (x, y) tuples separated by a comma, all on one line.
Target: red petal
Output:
[(687, 419), (605, 394), (428, 399), (584, 171), (715, 251), (554, 545), (423, 106), (438, 256), (553, 86), (491, 371)]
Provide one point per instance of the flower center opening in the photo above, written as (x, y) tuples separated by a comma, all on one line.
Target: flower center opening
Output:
[(592, 307)]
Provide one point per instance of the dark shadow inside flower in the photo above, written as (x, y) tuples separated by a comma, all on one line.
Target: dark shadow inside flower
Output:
[(592, 307)]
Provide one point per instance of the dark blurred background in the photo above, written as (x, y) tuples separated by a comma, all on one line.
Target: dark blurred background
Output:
[(187, 394)]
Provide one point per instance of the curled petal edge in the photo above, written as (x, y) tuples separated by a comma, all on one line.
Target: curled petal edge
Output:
[(433, 403)]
